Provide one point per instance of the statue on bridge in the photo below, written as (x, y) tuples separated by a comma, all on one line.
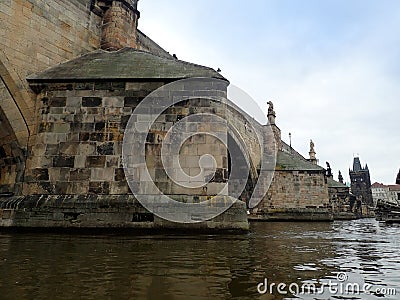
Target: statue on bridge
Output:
[(328, 170), (340, 177), (271, 107), (271, 113), (312, 146)]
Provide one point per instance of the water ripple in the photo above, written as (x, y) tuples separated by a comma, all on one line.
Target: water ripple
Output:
[(43, 266)]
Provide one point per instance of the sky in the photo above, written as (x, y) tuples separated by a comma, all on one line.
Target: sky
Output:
[(331, 68)]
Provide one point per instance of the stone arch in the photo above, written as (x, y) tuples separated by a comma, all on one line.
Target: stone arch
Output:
[(15, 101), (240, 153), (15, 118), (12, 159)]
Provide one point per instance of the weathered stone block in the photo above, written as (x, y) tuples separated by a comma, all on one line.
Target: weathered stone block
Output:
[(99, 188), (119, 174), (106, 148), (61, 128), (98, 136), (52, 150), (84, 86), (61, 188), (113, 102), (56, 110), (102, 85), (57, 101), (91, 101), (119, 188), (74, 102), (113, 161), (132, 101), (46, 127), (97, 111), (87, 148), (84, 136), (69, 148), (116, 136), (99, 126), (80, 161), (79, 174), (64, 161), (95, 161), (40, 174)]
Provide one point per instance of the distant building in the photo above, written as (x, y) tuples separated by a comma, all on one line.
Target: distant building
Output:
[(380, 192), (361, 182), (394, 193), (398, 178), (386, 193)]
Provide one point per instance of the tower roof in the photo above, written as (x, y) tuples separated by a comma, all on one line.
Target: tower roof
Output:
[(289, 162), (357, 164), (124, 64), (335, 184)]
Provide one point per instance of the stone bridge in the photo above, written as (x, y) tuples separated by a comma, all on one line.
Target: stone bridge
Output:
[(72, 72)]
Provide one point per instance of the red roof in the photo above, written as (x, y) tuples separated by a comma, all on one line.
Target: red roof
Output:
[(378, 185), (395, 187)]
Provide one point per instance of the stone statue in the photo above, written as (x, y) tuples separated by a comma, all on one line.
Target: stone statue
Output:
[(328, 170), (340, 177), (312, 153), (271, 108), (312, 146), (271, 113)]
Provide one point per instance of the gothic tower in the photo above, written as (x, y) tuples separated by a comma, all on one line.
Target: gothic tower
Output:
[(398, 178), (361, 182)]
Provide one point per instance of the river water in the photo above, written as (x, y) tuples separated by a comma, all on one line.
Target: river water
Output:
[(326, 255)]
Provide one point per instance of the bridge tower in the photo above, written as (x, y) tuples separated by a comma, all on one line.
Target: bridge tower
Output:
[(361, 182)]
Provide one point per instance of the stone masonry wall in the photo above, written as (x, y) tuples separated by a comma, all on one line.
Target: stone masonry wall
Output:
[(37, 34), (192, 149), (79, 139), (124, 213), (80, 134), (340, 199), (294, 192)]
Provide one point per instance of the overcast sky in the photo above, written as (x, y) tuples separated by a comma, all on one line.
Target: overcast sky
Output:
[(332, 67)]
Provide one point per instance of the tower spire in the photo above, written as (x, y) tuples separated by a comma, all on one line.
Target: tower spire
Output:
[(357, 164)]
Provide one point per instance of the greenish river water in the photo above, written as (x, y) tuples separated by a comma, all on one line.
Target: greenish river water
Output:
[(63, 266)]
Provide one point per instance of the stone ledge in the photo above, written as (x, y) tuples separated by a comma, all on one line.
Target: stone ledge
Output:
[(295, 215), (104, 212)]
